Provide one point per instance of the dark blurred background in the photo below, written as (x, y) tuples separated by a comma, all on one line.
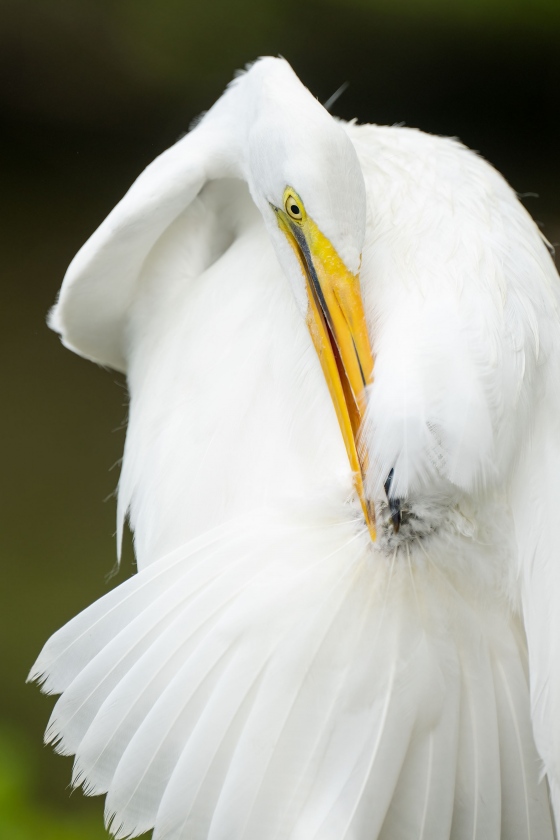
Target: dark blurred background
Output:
[(90, 92)]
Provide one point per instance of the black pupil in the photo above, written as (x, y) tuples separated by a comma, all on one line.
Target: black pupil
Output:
[(295, 209)]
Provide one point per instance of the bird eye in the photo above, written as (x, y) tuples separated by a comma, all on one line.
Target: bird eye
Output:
[(293, 207)]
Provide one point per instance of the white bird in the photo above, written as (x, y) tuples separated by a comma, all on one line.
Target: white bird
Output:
[(345, 623)]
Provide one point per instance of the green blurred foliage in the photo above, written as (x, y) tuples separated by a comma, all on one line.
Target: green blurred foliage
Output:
[(21, 818), (533, 13), (118, 61)]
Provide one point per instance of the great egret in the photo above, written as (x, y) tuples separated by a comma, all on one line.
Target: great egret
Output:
[(325, 639)]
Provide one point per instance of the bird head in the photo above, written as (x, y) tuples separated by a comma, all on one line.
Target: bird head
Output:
[(304, 175)]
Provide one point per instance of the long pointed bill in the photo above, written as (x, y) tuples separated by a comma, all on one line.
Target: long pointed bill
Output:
[(337, 324)]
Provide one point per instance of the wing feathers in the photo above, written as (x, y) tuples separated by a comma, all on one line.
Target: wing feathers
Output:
[(525, 813), (313, 689), (63, 656), (535, 495)]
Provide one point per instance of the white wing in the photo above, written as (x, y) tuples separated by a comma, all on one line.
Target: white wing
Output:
[(276, 680), (101, 283)]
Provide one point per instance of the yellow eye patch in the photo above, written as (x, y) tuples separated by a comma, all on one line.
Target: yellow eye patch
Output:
[(293, 205)]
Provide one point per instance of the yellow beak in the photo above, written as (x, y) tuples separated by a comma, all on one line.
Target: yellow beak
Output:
[(336, 321)]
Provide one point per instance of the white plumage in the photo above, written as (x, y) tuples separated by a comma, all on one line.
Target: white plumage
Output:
[(270, 673)]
